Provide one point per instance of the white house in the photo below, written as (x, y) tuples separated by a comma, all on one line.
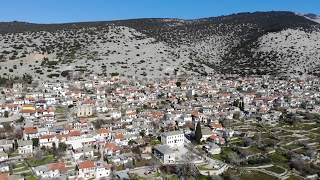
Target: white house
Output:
[(30, 133), (25, 147), (93, 170), (51, 170), (6, 144), (86, 170), (3, 156), (84, 110), (212, 148), (115, 114), (4, 167), (82, 152), (102, 170), (103, 133), (206, 133), (48, 140), (165, 154), (173, 138), (111, 149)]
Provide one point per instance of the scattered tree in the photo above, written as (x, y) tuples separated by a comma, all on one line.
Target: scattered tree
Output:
[(35, 142), (142, 133)]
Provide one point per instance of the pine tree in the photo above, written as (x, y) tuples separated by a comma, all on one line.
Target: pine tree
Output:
[(6, 114), (15, 147), (198, 133)]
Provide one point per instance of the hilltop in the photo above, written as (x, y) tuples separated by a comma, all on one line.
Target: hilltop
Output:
[(260, 43)]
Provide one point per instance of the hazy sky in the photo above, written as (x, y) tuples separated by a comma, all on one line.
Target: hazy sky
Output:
[(55, 11)]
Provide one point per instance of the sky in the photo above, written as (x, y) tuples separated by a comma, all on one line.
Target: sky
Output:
[(61, 11)]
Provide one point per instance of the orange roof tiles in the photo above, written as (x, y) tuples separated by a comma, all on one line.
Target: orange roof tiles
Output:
[(195, 113), (47, 136), (111, 146), (28, 111), (103, 131), (28, 106), (131, 113), (30, 130), (119, 136), (51, 110), (157, 114), (74, 133), (216, 125), (87, 164), (57, 166), (83, 120), (88, 101), (214, 136), (9, 105), (61, 136), (4, 176)]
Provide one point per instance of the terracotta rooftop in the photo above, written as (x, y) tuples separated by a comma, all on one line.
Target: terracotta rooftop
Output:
[(119, 136), (103, 131), (57, 166), (87, 164), (4, 176), (111, 146), (47, 136), (30, 130), (216, 125), (74, 133), (28, 111)]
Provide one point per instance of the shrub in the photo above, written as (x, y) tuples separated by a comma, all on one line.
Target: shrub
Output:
[(65, 73), (114, 74)]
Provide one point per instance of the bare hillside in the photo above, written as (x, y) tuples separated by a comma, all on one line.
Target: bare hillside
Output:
[(274, 43)]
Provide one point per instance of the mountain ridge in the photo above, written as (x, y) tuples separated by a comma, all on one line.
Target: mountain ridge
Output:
[(102, 22), (243, 43)]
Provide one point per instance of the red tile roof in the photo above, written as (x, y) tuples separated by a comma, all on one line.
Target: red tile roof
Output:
[(216, 126), (47, 136), (4, 176), (57, 166), (74, 133), (28, 106), (119, 136), (111, 146), (30, 130), (214, 137), (88, 101), (103, 131), (51, 109), (87, 164), (28, 111)]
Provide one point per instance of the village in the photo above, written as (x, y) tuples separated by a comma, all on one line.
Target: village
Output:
[(180, 126)]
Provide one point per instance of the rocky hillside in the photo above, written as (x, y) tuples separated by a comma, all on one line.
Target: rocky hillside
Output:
[(275, 43)]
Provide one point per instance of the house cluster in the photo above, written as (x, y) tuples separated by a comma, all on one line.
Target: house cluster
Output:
[(99, 118)]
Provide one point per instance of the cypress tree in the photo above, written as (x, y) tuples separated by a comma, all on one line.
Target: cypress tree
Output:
[(198, 133)]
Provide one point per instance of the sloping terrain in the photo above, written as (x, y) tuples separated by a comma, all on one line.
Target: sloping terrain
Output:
[(312, 17), (276, 43)]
